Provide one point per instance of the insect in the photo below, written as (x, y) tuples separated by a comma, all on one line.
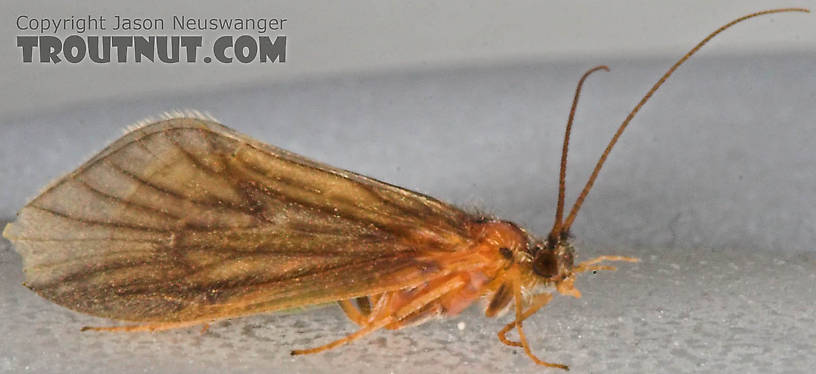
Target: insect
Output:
[(184, 222)]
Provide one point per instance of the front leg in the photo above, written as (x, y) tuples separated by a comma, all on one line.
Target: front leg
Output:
[(539, 301)]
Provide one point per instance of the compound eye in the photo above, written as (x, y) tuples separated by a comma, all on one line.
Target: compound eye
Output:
[(545, 265)]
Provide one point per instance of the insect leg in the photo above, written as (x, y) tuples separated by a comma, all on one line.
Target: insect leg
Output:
[(364, 304), (587, 265), (397, 315), (153, 326), (428, 311), (348, 339), (378, 305), (352, 312), (361, 311), (539, 301), (522, 337)]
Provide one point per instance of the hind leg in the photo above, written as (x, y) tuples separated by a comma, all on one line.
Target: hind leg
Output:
[(152, 326), (363, 310), (384, 317)]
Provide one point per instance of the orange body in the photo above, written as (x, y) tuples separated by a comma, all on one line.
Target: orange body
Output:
[(476, 270)]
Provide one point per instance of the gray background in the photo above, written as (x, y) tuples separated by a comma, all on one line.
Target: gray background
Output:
[(329, 39), (712, 187)]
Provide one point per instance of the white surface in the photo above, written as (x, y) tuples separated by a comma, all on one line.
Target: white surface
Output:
[(336, 38), (711, 187)]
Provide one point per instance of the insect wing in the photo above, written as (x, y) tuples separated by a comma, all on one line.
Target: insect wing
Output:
[(185, 220)]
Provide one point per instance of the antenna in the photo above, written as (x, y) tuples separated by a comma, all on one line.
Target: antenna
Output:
[(562, 179), (578, 202)]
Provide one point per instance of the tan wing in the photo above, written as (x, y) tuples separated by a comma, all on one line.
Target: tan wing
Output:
[(186, 219)]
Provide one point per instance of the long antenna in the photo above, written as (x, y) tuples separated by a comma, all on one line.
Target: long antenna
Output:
[(562, 178), (578, 202)]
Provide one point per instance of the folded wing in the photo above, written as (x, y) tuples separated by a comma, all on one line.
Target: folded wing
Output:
[(186, 219)]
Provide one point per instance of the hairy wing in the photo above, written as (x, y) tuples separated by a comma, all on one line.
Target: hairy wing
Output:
[(186, 219)]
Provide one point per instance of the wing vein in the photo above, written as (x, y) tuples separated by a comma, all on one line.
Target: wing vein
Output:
[(129, 203), (206, 204), (95, 222)]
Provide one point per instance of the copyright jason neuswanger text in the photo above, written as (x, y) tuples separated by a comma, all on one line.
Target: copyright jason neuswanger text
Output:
[(150, 39)]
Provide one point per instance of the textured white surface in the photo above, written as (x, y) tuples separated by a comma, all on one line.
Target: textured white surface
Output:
[(711, 187)]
